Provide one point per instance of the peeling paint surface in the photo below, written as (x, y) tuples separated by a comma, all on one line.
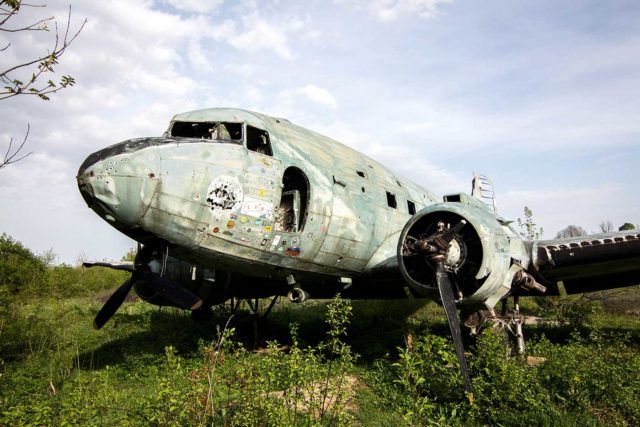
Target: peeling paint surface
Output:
[(225, 192)]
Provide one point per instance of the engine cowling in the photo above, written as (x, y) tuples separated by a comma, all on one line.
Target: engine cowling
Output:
[(481, 258)]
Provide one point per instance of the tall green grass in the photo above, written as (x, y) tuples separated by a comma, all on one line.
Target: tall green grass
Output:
[(325, 363)]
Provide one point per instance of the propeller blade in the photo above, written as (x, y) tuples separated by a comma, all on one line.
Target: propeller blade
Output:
[(172, 292), (449, 304), (113, 303), (115, 265)]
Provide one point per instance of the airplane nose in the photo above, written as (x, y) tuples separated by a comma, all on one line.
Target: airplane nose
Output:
[(117, 183)]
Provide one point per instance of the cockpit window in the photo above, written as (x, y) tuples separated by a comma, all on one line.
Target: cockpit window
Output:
[(221, 131), (258, 141)]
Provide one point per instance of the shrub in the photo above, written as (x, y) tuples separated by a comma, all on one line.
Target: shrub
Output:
[(20, 268)]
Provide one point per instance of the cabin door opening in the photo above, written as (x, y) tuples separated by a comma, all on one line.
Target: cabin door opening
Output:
[(292, 211)]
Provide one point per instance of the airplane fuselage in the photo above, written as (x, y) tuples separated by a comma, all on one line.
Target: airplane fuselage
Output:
[(275, 205), (296, 203)]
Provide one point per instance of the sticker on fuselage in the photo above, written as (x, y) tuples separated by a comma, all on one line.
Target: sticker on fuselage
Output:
[(224, 193), (257, 208)]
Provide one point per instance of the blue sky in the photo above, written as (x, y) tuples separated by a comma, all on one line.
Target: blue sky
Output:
[(542, 96)]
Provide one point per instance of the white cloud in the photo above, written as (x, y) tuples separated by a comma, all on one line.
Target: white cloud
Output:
[(197, 56), (259, 35), (318, 95), (197, 6), (391, 10)]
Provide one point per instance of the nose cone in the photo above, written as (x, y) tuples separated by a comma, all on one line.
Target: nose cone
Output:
[(118, 183)]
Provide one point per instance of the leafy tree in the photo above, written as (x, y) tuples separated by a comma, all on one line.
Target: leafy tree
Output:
[(130, 255), (28, 77), (571, 231), (627, 226), (528, 228)]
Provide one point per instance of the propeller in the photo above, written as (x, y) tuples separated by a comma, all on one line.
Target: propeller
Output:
[(449, 303), (143, 274), (114, 265), (436, 247), (442, 241), (113, 303)]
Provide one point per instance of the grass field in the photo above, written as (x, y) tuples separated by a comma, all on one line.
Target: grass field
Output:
[(153, 366), (336, 362)]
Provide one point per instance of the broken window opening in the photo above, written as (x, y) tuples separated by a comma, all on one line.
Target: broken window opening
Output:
[(219, 131), (391, 200), (258, 141), (411, 207), (292, 211)]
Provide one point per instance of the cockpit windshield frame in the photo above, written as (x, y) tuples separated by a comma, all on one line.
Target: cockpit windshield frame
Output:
[(226, 132)]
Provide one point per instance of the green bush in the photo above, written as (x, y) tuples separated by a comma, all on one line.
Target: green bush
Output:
[(593, 375), (20, 268), (225, 385)]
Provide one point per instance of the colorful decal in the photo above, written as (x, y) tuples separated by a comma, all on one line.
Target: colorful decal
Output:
[(258, 221), (267, 229), (243, 219), (295, 241), (233, 215), (264, 242), (231, 224), (196, 197), (261, 192), (276, 240), (216, 229), (224, 193), (293, 251), (257, 208)]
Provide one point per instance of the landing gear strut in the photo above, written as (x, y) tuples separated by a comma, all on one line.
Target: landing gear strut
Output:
[(509, 322)]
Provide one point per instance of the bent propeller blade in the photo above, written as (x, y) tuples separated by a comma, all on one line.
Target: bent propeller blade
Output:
[(449, 304), (113, 303), (114, 265)]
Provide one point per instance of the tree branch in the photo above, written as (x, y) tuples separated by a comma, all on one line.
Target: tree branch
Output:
[(10, 157), (14, 87)]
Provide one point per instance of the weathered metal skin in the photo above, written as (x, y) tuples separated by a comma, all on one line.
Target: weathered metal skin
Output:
[(226, 205), (600, 261), (497, 248)]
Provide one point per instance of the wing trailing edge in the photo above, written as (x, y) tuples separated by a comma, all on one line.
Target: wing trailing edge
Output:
[(589, 263)]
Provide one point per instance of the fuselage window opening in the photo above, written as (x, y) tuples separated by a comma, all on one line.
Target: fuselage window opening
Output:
[(258, 141), (219, 131), (292, 211), (411, 207), (391, 200)]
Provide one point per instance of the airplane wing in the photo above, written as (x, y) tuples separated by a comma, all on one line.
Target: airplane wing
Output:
[(588, 263)]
